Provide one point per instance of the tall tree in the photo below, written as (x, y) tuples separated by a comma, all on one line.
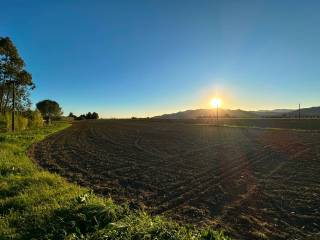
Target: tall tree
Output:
[(89, 115), (49, 109), (15, 82), (95, 115)]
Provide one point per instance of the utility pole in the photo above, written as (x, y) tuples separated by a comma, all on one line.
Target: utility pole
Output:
[(217, 113), (13, 105), (299, 112)]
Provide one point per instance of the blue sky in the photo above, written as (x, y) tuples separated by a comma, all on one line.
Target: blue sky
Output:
[(147, 57)]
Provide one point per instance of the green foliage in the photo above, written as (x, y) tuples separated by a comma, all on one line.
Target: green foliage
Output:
[(3, 123), (20, 122), (49, 109), (12, 71), (35, 204), (35, 119), (209, 234), (28, 119)]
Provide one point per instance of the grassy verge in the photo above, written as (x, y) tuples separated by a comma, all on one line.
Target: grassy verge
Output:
[(36, 204)]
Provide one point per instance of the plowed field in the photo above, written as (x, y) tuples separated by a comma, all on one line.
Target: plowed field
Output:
[(257, 183)]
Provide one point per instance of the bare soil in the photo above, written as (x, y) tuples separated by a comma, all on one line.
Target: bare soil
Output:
[(256, 183)]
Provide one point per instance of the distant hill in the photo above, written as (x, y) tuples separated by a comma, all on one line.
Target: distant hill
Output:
[(272, 113), (238, 113), (305, 112), (208, 113)]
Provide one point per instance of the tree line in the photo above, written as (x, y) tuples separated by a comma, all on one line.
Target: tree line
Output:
[(89, 115)]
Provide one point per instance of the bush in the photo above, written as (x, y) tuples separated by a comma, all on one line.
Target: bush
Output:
[(3, 124), (20, 122), (35, 119), (28, 119)]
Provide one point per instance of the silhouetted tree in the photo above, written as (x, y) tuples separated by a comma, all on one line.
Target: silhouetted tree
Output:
[(95, 115), (49, 109), (72, 115), (81, 117), (89, 115)]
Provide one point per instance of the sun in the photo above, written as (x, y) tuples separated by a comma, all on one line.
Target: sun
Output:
[(215, 102)]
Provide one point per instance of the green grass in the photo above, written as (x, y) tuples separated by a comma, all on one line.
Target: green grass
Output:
[(36, 204)]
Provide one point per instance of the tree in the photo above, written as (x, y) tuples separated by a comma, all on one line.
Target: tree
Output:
[(49, 109), (15, 82), (95, 115), (71, 115), (81, 117), (89, 115)]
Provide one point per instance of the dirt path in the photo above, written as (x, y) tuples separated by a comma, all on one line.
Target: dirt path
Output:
[(261, 184)]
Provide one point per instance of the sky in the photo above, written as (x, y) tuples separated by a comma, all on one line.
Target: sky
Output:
[(140, 58)]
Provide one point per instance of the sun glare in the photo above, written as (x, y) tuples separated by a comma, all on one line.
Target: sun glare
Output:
[(215, 102)]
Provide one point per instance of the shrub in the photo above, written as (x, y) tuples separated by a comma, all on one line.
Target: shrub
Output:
[(35, 119), (3, 124), (20, 122), (28, 119)]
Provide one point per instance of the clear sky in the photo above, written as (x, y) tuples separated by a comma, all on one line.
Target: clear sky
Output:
[(127, 58)]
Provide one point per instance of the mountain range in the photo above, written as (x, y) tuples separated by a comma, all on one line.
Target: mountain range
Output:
[(238, 113)]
